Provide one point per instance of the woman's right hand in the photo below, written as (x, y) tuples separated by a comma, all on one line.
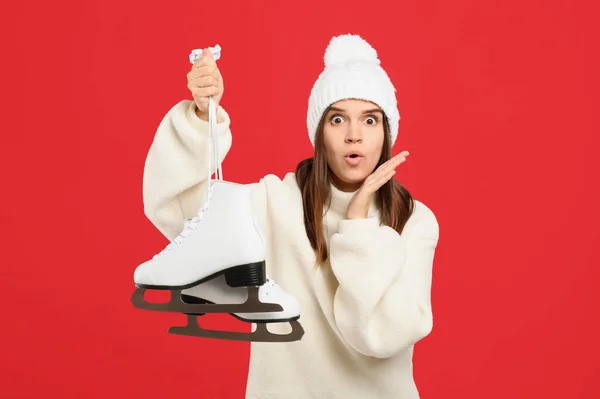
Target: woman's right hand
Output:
[(204, 81)]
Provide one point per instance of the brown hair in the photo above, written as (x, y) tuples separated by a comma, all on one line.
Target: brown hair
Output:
[(314, 178)]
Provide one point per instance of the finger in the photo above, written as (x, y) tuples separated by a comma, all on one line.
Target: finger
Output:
[(383, 178), (388, 167), (205, 81), (205, 91), (391, 164), (205, 59), (399, 158), (376, 183), (376, 180), (204, 70), (384, 173)]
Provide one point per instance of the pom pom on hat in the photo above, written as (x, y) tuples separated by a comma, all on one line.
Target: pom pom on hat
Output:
[(349, 48), (352, 71)]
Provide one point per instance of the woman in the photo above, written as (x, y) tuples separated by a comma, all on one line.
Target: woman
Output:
[(367, 301)]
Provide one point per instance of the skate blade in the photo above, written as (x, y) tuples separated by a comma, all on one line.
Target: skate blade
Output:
[(261, 334), (176, 304)]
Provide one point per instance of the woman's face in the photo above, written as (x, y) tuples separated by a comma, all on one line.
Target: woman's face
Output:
[(353, 135)]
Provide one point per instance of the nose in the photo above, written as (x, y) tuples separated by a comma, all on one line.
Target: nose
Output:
[(353, 135)]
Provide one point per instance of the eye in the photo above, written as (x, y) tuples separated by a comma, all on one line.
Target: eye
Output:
[(371, 120), (336, 119)]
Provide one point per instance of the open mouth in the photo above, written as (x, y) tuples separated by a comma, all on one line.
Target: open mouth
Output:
[(353, 158)]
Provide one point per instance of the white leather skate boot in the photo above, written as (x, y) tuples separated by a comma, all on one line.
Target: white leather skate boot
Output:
[(222, 239), (218, 291)]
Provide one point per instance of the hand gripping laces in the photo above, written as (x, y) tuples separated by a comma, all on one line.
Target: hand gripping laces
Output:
[(190, 225)]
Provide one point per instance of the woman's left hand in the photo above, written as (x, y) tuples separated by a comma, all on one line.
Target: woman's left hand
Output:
[(361, 201)]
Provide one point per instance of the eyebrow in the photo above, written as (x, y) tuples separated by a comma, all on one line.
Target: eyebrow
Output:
[(368, 111)]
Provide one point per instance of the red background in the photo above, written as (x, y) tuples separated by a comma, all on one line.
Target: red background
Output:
[(497, 102)]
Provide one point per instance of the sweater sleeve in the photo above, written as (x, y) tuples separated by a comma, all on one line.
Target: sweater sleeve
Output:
[(382, 305), (176, 167)]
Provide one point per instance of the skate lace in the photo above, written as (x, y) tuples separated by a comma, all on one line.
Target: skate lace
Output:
[(190, 225)]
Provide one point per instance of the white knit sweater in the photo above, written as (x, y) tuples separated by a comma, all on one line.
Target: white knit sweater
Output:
[(362, 311)]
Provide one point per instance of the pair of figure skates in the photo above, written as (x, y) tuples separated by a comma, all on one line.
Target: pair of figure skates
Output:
[(217, 264)]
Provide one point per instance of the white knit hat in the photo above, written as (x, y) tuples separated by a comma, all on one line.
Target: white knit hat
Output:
[(352, 71)]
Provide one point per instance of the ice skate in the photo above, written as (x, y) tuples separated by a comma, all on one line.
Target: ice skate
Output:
[(216, 296), (223, 238), (217, 265)]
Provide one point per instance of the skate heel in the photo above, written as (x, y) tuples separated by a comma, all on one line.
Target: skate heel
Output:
[(252, 274)]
